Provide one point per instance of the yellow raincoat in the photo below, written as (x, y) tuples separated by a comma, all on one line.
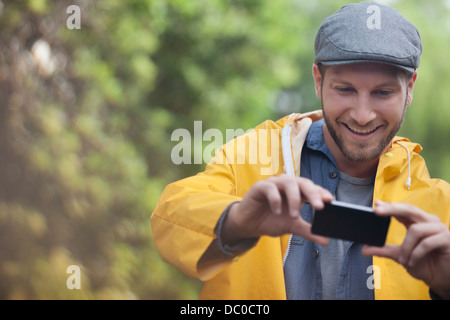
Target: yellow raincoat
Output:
[(187, 213)]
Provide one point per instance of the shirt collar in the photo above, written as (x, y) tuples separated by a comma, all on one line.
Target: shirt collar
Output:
[(315, 139)]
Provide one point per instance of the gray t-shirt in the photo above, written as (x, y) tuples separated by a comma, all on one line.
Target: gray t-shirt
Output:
[(352, 190)]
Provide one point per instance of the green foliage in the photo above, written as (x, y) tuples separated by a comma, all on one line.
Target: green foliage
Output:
[(86, 118)]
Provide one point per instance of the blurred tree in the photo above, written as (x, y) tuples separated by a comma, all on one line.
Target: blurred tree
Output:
[(86, 118), (74, 186)]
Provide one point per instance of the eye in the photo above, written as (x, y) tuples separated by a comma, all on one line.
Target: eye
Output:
[(345, 89), (382, 92)]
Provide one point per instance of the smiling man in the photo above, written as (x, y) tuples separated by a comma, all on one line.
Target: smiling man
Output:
[(240, 230)]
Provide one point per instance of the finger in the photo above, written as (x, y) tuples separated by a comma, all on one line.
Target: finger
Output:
[(429, 244), (271, 194), (292, 195), (303, 229), (323, 241), (327, 196), (404, 212), (313, 193), (416, 233), (387, 251)]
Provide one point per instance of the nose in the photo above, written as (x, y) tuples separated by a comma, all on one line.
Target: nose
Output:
[(362, 112)]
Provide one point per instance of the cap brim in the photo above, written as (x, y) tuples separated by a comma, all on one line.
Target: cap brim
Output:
[(343, 62)]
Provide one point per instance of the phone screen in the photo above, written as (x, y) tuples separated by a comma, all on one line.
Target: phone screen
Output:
[(351, 222)]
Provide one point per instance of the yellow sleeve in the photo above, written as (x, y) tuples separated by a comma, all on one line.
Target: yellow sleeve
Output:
[(187, 213)]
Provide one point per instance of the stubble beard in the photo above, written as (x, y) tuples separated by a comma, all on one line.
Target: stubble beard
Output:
[(362, 151)]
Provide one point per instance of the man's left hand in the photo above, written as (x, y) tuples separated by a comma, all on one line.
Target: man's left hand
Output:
[(425, 251)]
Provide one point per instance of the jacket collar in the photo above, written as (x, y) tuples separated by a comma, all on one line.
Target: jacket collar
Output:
[(315, 139)]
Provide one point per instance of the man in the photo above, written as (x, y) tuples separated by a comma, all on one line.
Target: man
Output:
[(237, 224)]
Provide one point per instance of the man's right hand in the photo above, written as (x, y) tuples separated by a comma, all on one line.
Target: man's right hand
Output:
[(272, 207)]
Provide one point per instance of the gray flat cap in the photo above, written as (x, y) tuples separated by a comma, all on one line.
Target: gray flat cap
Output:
[(368, 32)]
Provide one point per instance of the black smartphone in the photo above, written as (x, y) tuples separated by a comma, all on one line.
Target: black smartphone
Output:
[(351, 222)]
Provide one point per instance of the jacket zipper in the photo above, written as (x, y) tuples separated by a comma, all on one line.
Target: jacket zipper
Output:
[(286, 149), (287, 250)]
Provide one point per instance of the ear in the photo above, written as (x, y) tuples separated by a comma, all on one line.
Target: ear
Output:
[(317, 80), (411, 83)]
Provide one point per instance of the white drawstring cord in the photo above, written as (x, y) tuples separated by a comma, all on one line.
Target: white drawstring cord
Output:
[(408, 181), (286, 149)]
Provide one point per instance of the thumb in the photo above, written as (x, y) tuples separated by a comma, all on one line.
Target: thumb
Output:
[(387, 251), (303, 229)]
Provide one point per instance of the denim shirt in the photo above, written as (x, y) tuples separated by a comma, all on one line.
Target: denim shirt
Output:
[(303, 259)]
